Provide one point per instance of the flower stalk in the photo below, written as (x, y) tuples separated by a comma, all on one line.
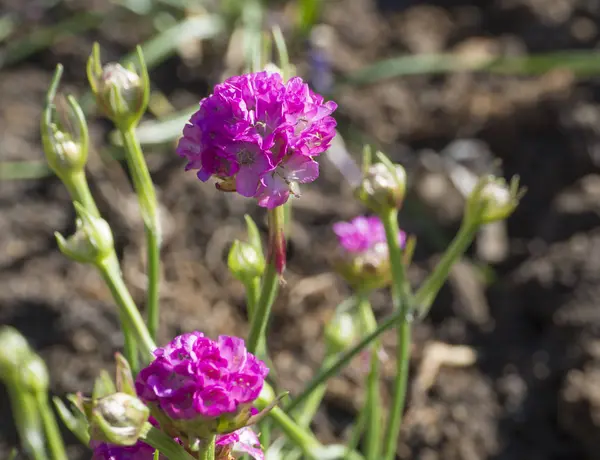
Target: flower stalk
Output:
[(271, 279), (207, 448), (373, 399), (400, 295)]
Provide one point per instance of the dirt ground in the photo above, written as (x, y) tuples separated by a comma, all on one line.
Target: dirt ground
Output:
[(523, 303)]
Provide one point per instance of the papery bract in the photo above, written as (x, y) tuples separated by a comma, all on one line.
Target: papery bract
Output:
[(258, 136)]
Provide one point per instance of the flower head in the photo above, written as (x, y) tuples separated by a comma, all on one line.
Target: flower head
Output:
[(258, 136), (203, 383), (363, 258)]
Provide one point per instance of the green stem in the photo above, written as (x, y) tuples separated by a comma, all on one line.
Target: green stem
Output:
[(130, 345), (403, 330), (400, 386), (308, 410), (79, 190), (55, 440), (270, 284), (112, 276), (373, 400), (252, 295), (27, 420), (299, 436), (165, 444), (357, 431), (153, 304), (343, 360), (146, 195), (428, 291), (207, 449)]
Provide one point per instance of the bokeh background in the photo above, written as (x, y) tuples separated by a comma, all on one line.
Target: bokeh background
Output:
[(506, 367)]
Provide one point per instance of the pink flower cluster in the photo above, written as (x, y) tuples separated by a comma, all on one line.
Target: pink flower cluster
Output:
[(259, 136), (240, 442), (194, 376), (362, 234)]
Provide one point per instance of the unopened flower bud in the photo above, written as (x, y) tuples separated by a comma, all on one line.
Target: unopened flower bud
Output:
[(118, 419), (245, 261), (92, 241), (492, 199), (340, 333), (64, 133), (14, 350), (121, 94), (383, 187)]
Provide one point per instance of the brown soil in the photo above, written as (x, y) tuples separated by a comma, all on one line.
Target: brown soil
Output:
[(533, 391)]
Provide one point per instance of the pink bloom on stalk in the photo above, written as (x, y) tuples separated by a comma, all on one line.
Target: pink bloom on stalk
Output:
[(362, 233), (259, 136), (194, 376)]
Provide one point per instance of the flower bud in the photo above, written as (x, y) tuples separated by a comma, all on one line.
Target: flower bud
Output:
[(92, 241), (340, 333), (14, 350), (64, 133), (121, 94), (383, 186), (492, 199), (362, 258), (118, 419), (245, 261)]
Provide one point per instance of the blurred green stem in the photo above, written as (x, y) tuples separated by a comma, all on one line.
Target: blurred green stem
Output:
[(428, 291), (132, 322), (55, 441), (27, 419), (400, 298), (252, 295), (373, 400), (308, 410), (146, 194), (328, 372)]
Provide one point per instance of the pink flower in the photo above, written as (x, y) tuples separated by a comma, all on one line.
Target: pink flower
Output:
[(195, 377), (258, 136), (363, 257), (362, 234)]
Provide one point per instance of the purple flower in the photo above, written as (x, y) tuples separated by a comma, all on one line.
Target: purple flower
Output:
[(362, 234), (106, 451), (258, 136), (363, 257), (195, 377)]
